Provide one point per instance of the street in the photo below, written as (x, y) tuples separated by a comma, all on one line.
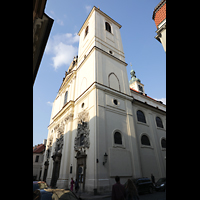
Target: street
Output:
[(154, 196)]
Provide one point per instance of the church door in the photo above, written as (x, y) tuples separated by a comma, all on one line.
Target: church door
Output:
[(56, 170), (81, 171)]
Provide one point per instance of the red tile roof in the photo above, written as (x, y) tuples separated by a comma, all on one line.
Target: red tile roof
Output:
[(39, 149), (144, 95), (159, 13)]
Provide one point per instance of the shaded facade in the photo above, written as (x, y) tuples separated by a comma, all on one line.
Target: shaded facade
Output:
[(42, 24)]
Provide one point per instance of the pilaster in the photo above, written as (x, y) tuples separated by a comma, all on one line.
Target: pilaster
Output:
[(63, 179)]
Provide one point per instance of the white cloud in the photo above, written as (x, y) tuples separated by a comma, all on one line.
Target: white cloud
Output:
[(162, 99), (62, 47), (63, 54), (88, 8), (60, 22), (50, 103)]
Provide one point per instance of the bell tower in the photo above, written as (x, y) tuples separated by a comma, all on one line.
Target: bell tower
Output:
[(103, 87), (100, 47), (135, 83)]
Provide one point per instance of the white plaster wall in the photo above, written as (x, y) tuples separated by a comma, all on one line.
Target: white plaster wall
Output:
[(152, 157)]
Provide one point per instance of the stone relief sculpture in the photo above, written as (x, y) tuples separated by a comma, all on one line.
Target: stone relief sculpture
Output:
[(82, 140), (49, 146), (59, 140)]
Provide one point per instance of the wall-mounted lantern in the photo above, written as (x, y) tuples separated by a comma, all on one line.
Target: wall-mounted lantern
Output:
[(105, 158)]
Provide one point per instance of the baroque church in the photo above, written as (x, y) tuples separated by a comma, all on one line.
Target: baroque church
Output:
[(103, 125)]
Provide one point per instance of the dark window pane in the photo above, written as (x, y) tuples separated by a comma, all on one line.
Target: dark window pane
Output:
[(163, 143), (118, 138), (159, 122), (108, 27), (145, 140), (140, 116)]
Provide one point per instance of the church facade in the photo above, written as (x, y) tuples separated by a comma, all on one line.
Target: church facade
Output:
[(101, 124)]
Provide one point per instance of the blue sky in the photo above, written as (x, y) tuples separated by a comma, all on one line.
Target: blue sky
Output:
[(140, 48)]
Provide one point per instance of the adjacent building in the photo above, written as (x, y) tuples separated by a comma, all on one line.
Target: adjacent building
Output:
[(159, 16), (101, 124), (38, 156), (42, 24)]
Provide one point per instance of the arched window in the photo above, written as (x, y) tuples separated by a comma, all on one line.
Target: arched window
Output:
[(86, 31), (65, 101), (108, 27), (145, 140), (117, 138), (163, 143), (159, 122), (140, 116)]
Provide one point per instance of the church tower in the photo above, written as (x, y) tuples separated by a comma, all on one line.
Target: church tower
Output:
[(100, 48), (135, 83), (102, 67), (91, 132)]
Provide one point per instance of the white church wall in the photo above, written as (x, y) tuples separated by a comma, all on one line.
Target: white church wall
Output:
[(152, 157)]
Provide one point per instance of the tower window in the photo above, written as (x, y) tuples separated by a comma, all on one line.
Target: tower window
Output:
[(140, 116), (115, 101), (65, 101), (108, 27), (159, 122), (145, 140), (118, 138), (86, 31), (140, 88)]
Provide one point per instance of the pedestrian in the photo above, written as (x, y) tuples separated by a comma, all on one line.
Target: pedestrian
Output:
[(72, 182), (153, 179), (118, 190), (131, 191), (76, 186)]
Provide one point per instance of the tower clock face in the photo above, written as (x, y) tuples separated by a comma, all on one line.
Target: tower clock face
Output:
[(140, 88)]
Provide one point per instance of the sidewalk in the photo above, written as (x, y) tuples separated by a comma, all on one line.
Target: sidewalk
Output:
[(86, 196)]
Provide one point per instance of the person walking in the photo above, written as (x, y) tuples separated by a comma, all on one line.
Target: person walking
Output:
[(76, 186), (118, 190), (72, 183), (131, 191), (153, 179)]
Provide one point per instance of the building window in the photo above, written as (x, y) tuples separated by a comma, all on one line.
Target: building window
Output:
[(37, 158), (108, 27), (140, 116), (163, 143), (65, 101), (86, 31), (117, 138), (140, 88), (145, 140), (159, 122)]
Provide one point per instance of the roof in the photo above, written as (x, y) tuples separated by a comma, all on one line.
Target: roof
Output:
[(156, 9), (39, 148), (147, 96)]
